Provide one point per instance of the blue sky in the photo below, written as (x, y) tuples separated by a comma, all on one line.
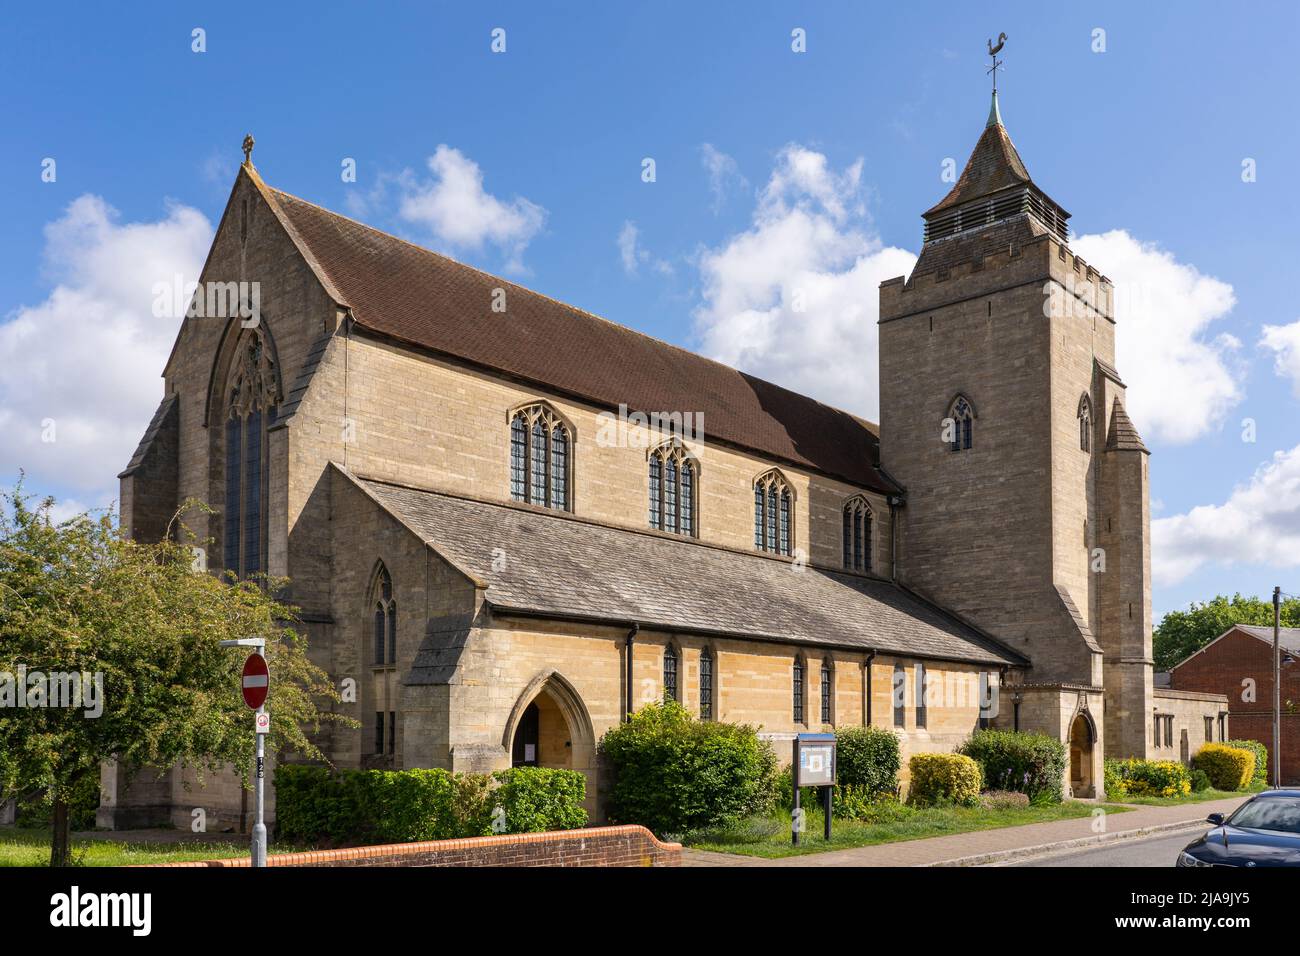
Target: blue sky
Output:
[(1143, 143)]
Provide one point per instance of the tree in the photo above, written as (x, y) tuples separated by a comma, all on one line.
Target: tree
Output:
[(1181, 634), (109, 650)]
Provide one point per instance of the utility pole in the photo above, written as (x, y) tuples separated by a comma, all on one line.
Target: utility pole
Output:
[(1277, 687)]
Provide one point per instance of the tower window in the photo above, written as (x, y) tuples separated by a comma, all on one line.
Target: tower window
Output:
[(772, 514), (857, 534), (541, 458), (1085, 424), (960, 424)]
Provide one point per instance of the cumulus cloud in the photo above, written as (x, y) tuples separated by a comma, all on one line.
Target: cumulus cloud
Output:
[(1182, 375), (1259, 524), (724, 174), (455, 208), (634, 255), (79, 372), (1284, 340), (794, 298)]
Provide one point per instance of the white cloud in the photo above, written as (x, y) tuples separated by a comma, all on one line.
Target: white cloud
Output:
[(724, 174), (634, 255), (83, 366), (456, 209), (1182, 377), (1284, 340), (795, 298), (1259, 524)]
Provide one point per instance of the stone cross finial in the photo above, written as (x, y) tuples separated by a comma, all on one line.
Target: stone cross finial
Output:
[(248, 150)]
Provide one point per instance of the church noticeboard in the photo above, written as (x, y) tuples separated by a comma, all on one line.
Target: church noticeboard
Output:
[(814, 764)]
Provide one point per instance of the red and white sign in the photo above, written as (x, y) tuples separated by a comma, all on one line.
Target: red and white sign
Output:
[(257, 681), (263, 723)]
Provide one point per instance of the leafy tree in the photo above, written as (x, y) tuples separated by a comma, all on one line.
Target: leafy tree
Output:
[(78, 598), (1182, 633)]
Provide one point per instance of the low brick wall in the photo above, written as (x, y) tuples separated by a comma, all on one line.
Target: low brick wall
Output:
[(597, 846)]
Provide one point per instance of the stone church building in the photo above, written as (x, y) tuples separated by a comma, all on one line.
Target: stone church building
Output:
[(510, 522)]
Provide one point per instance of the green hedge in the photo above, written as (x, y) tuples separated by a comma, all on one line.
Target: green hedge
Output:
[(1260, 777), (673, 773), (867, 760), (1032, 764), (1229, 768), (942, 779), (314, 805), (1146, 778)]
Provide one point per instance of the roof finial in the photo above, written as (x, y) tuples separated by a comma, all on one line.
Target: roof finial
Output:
[(248, 149), (995, 117)]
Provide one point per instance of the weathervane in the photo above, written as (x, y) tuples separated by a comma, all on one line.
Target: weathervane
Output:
[(248, 150), (993, 52)]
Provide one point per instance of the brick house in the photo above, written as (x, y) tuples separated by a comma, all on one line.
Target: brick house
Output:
[(488, 527), (1239, 664)]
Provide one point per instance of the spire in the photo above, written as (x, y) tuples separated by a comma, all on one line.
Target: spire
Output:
[(995, 115)]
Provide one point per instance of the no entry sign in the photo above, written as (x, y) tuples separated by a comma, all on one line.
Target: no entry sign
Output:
[(256, 681)]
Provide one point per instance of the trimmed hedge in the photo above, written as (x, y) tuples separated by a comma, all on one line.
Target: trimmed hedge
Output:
[(1032, 764), (1260, 777), (1229, 768), (1146, 778), (943, 778), (315, 805), (673, 773), (867, 760)]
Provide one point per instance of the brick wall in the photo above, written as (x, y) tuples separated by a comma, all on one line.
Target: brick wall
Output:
[(598, 846)]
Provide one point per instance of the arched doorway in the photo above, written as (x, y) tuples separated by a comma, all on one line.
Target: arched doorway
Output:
[(1081, 744), (549, 727)]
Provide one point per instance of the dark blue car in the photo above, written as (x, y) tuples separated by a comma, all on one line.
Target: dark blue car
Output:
[(1263, 831)]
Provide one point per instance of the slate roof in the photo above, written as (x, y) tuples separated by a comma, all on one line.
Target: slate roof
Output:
[(564, 567), (420, 298), (168, 406), (1288, 637), (1123, 434)]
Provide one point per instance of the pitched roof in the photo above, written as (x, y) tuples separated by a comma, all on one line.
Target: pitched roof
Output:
[(564, 567), (994, 164), (1122, 434), (420, 298), (1288, 637)]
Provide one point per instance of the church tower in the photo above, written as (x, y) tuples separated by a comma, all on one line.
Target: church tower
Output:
[(1002, 416)]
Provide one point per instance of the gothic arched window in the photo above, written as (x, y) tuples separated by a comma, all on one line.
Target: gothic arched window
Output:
[(857, 534), (960, 424), (1085, 423), (385, 617), (251, 399), (674, 489), (541, 447), (773, 505)]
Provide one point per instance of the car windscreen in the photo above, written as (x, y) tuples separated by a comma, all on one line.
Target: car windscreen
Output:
[(1269, 813)]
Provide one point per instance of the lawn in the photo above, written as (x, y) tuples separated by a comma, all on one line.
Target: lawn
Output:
[(1201, 797), (769, 836), (31, 847)]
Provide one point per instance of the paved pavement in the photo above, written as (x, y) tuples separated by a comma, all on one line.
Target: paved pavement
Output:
[(990, 846), (1160, 850)]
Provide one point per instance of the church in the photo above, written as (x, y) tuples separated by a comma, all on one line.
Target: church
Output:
[(510, 523)]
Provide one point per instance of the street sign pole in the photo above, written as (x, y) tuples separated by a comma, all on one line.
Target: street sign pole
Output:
[(256, 683)]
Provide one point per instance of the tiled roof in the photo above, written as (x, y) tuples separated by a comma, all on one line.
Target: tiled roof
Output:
[(994, 164), (165, 408), (430, 301), (1122, 434), (564, 567)]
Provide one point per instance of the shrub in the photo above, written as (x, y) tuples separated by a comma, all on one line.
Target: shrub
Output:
[(315, 805), (943, 778), (1146, 778), (1229, 768), (1260, 777), (1033, 764), (1200, 782), (673, 773), (37, 809), (867, 760), (1004, 799)]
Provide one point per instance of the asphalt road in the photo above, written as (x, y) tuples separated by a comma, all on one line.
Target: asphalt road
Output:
[(1159, 850)]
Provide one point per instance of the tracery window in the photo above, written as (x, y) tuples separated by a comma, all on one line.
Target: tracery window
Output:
[(385, 618), (962, 416), (857, 534), (772, 514), (251, 399), (674, 489), (541, 448)]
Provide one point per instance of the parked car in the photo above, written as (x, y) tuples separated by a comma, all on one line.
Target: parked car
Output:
[(1263, 831)]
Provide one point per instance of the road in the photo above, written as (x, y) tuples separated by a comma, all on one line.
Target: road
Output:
[(1158, 850)]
